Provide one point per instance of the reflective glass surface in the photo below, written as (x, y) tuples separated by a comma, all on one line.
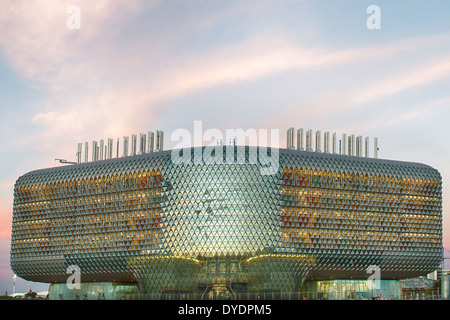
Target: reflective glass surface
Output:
[(223, 225)]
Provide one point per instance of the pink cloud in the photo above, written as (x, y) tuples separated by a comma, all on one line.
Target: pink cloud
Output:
[(95, 84), (38, 42), (354, 96), (98, 87), (5, 222)]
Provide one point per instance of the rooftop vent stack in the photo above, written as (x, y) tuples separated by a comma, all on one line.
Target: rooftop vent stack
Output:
[(159, 140), (79, 149), (318, 141), (142, 143), (344, 144), (300, 139), (133, 144), (290, 138), (309, 140), (151, 141), (334, 143), (110, 148), (351, 145), (94, 151), (375, 147), (359, 147), (125, 146), (102, 148), (162, 141), (326, 142), (366, 149), (86, 152)]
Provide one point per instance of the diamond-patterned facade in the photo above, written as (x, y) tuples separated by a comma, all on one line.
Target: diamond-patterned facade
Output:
[(189, 227)]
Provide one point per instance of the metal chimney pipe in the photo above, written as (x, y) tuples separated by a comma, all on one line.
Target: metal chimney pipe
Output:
[(159, 140), (94, 150), (133, 144), (300, 139), (143, 143), (110, 148), (334, 143), (309, 140), (367, 147), (375, 147), (125, 146), (358, 146), (79, 149), (151, 141), (318, 141), (344, 144), (290, 138), (86, 152), (326, 142), (353, 145), (102, 143), (350, 145)]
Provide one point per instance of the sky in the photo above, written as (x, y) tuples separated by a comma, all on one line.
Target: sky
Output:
[(126, 67)]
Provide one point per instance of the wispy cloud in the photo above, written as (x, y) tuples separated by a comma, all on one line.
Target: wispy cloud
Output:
[(416, 76), (373, 78), (132, 59), (5, 223), (95, 86), (81, 71)]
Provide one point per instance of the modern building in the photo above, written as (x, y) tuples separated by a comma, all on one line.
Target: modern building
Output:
[(216, 224)]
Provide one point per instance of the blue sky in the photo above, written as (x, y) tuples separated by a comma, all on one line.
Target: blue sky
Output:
[(135, 66)]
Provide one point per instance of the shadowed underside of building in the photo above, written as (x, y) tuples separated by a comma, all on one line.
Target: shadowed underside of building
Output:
[(149, 224)]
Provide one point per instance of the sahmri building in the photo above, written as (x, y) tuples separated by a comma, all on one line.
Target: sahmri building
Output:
[(228, 222)]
